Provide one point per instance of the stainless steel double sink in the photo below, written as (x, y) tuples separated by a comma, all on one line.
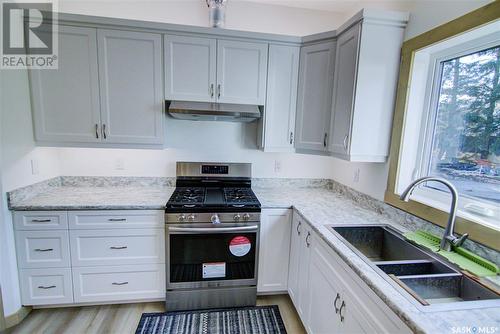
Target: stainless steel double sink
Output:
[(428, 278)]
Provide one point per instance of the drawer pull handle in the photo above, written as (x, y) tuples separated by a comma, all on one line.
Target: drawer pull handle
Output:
[(44, 249), (46, 287), (119, 283), (342, 307), (41, 220), (118, 247), (335, 303), (117, 219)]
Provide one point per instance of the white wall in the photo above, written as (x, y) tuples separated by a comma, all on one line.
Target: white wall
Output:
[(240, 15), (17, 150)]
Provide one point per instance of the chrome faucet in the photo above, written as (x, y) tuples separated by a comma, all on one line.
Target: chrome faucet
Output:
[(449, 239)]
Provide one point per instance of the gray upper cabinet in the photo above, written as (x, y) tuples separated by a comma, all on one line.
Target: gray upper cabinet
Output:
[(190, 68), (281, 101), (65, 101), (241, 72), (345, 75), (361, 110), (130, 74), (314, 97)]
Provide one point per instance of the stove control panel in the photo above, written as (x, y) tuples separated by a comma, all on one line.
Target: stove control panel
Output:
[(214, 218)]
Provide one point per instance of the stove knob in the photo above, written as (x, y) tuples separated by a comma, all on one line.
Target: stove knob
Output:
[(182, 217), (191, 217), (246, 216), (215, 219), (237, 217)]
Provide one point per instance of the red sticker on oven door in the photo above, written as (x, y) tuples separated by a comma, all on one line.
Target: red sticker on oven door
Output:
[(240, 246)]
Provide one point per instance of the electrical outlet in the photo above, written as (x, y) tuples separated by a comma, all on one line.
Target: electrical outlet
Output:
[(119, 164), (277, 166), (355, 178), (35, 168)]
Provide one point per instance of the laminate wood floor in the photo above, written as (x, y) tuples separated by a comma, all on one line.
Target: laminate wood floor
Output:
[(123, 318)]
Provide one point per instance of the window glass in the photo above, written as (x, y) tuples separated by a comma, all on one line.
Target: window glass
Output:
[(465, 134)]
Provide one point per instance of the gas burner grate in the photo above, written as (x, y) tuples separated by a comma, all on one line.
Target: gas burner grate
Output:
[(188, 196), (240, 196)]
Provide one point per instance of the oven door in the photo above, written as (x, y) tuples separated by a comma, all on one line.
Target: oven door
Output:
[(207, 255)]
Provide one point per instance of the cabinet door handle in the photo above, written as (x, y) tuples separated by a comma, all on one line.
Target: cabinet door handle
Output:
[(118, 247), (97, 131), (218, 91), (212, 90), (324, 139), (335, 303), (104, 131), (307, 239), (298, 228), (342, 307), (44, 249), (345, 141), (119, 283), (117, 219), (46, 287), (291, 138), (41, 220)]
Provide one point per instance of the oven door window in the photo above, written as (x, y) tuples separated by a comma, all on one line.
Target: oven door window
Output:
[(212, 256)]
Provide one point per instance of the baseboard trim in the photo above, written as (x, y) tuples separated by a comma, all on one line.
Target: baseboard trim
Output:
[(16, 318)]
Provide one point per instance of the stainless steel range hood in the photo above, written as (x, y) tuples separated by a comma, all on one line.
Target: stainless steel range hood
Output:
[(210, 111)]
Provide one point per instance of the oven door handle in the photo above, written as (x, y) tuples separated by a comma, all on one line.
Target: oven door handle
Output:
[(212, 229)]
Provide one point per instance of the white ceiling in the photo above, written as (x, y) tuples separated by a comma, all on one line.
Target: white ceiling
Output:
[(341, 6)]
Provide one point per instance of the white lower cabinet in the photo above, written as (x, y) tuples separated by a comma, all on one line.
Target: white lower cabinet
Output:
[(42, 249), (118, 246), (298, 273), (328, 296), (99, 256), (119, 283), (274, 250), (46, 286)]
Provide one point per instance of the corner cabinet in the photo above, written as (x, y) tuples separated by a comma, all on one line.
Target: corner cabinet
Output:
[(314, 97), (328, 296), (361, 110), (107, 90), (278, 126), (211, 70)]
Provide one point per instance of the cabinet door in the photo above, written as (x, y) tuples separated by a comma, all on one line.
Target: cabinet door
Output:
[(344, 88), (324, 296), (274, 250), (281, 100), (241, 72), (190, 68), (303, 277), (293, 267), (130, 74), (315, 96), (66, 100)]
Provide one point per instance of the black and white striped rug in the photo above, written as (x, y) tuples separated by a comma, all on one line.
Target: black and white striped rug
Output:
[(244, 320)]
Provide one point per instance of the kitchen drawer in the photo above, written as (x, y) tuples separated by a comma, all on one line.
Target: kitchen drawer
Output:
[(79, 220), (113, 247), (42, 249), (115, 283), (46, 286), (40, 220)]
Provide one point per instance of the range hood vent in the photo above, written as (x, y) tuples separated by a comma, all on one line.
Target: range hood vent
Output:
[(210, 111)]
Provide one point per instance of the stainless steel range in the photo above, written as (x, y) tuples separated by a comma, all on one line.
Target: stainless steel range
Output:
[(212, 237)]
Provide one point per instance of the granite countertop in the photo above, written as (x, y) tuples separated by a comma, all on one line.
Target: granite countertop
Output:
[(320, 206)]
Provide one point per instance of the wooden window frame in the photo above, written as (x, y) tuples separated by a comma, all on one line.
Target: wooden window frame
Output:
[(485, 235)]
